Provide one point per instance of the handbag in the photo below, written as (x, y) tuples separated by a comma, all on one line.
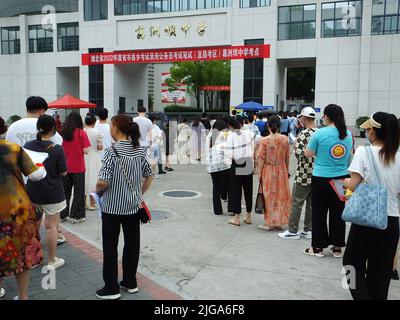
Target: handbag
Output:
[(144, 212), (368, 205), (260, 201)]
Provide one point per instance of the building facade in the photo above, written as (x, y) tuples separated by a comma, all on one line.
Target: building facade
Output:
[(354, 47)]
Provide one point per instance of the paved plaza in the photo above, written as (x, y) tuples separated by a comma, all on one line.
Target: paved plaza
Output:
[(189, 253)]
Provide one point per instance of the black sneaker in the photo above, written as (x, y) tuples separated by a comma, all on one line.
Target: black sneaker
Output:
[(107, 295), (162, 172), (126, 288), (395, 275)]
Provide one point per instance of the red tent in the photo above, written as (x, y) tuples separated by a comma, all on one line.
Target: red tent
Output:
[(70, 102)]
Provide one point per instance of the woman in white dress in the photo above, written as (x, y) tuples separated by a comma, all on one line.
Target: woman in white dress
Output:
[(92, 159), (184, 133)]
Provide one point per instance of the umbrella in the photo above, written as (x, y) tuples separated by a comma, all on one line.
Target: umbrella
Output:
[(70, 102), (250, 106)]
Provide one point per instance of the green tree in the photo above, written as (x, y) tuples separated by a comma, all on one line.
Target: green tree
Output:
[(198, 74), (217, 73)]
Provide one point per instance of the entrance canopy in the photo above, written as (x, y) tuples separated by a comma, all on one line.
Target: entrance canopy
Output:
[(178, 55), (70, 102)]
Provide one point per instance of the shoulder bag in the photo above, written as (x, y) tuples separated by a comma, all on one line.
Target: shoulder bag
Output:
[(368, 204), (260, 201), (144, 213)]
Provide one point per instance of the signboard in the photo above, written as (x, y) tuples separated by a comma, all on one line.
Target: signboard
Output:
[(177, 96), (318, 110), (177, 55)]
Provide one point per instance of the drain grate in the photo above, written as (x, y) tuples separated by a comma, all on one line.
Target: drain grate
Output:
[(181, 194)]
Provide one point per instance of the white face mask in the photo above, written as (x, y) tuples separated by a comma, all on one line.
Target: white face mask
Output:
[(368, 137), (324, 122)]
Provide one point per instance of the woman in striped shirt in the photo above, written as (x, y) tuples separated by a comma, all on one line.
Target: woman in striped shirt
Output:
[(123, 179)]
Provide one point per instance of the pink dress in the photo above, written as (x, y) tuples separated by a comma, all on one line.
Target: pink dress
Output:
[(275, 181)]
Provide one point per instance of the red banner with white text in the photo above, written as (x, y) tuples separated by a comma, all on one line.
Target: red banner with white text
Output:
[(177, 55)]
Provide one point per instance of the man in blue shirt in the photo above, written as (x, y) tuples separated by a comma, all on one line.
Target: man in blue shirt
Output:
[(261, 124)]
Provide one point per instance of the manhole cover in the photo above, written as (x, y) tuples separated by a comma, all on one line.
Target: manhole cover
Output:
[(160, 215), (181, 194)]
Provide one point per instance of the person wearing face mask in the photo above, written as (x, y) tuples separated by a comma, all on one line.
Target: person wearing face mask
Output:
[(302, 180), (332, 147), (123, 179), (369, 250), (48, 194)]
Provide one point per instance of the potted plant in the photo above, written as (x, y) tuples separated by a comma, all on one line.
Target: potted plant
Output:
[(359, 122)]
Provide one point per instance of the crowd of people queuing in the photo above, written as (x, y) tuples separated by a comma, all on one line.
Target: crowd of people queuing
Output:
[(118, 160), (81, 157), (236, 152)]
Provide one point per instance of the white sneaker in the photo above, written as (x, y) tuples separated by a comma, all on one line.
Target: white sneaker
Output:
[(131, 291), (60, 238), (306, 235), (16, 298), (289, 235), (2, 292), (57, 263), (74, 221)]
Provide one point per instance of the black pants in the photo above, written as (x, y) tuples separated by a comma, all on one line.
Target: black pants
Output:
[(76, 181), (237, 183), (325, 199), (219, 181), (111, 226), (371, 252)]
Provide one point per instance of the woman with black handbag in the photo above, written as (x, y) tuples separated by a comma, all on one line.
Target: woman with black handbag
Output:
[(123, 179)]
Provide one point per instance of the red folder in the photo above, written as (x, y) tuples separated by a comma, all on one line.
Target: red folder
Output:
[(339, 188)]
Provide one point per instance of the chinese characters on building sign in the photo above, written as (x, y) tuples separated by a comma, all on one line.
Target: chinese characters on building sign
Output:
[(178, 55), (170, 30)]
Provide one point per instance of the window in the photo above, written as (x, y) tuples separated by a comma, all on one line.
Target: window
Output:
[(254, 3), (95, 10), (68, 36), (385, 16), (10, 42), (296, 22), (40, 40), (96, 82), (341, 19), (253, 76), (126, 7)]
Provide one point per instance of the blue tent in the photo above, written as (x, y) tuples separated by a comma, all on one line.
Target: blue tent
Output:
[(250, 106)]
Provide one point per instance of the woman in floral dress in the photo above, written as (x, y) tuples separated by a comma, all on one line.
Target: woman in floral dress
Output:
[(20, 247), (273, 161)]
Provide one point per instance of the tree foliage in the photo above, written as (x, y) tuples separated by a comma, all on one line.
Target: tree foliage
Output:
[(200, 73)]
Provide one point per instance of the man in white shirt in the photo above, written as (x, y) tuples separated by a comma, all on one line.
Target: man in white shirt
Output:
[(24, 130), (104, 128), (145, 127)]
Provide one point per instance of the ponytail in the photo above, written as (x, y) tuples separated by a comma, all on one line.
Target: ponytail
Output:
[(336, 115), (135, 134), (39, 135), (389, 135), (274, 124), (45, 125)]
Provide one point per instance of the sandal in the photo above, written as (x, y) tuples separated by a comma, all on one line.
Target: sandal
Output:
[(232, 221), (315, 253), (247, 221), (265, 227), (336, 253)]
